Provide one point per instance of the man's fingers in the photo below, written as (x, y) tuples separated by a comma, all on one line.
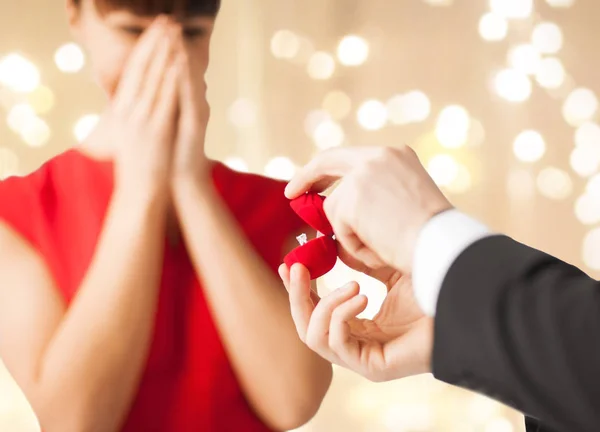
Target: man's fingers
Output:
[(324, 169), (284, 274), (340, 340), (383, 273), (317, 336), (301, 304), (356, 248)]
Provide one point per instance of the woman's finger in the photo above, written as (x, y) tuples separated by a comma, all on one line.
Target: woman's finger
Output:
[(164, 58), (194, 106), (133, 80), (167, 104)]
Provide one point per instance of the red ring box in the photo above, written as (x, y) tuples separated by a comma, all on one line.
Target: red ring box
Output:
[(320, 254)]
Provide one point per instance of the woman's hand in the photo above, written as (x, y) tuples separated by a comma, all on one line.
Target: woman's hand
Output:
[(396, 343), (141, 120), (190, 161)]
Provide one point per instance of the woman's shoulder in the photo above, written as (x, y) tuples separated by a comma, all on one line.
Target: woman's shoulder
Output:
[(258, 202), (19, 192), (247, 184), (29, 202), (250, 192), (46, 179)]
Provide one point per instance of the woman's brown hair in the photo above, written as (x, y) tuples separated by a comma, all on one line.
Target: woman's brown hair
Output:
[(180, 8)]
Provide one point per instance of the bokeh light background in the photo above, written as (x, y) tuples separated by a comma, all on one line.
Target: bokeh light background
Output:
[(499, 98)]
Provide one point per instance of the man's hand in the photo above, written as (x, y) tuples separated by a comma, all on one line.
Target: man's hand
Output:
[(384, 198), (396, 343)]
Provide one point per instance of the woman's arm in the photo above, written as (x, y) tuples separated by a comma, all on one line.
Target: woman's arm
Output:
[(80, 367), (283, 380)]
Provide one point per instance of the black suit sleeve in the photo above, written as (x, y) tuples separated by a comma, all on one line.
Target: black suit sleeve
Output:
[(533, 425), (524, 328)]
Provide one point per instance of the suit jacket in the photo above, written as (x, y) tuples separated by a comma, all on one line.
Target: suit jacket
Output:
[(522, 327)]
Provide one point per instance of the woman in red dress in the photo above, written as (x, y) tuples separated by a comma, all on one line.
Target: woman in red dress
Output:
[(138, 278)]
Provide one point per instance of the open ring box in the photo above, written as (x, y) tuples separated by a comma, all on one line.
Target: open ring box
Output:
[(318, 255)]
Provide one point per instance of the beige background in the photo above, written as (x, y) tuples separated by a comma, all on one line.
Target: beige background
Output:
[(414, 44)]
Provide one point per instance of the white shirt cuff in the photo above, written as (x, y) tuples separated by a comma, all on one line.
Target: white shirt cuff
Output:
[(440, 243)]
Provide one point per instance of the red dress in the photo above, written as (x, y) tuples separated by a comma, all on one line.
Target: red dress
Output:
[(188, 383)]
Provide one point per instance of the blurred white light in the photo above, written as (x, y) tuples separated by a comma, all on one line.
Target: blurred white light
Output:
[(550, 73), (84, 126), (561, 3), (285, 44), (321, 66), (520, 185), (493, 27), (20, 117), (591, 249), (482, 408), (588, 136), (452, 128), (353, 51), (69, 58), (499, 424), (525, 58), (237, 164), (584, 161), (515, 9), (243, 113), (412, 107), (9, 163), (593, 186), (314, 119), (41, 99), (19, 74), (529, 146), (554, 183), (280, 168), (587, 209), (443, 169), (462, 182), (338, 276), (338, 104), (476, 135), (581, 105), (375, 292), (37, 133), (362, 399), (305, 51), (547, 38), (408, 417), (8, 98), (328, 134), (512, 85), (372, 115)]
